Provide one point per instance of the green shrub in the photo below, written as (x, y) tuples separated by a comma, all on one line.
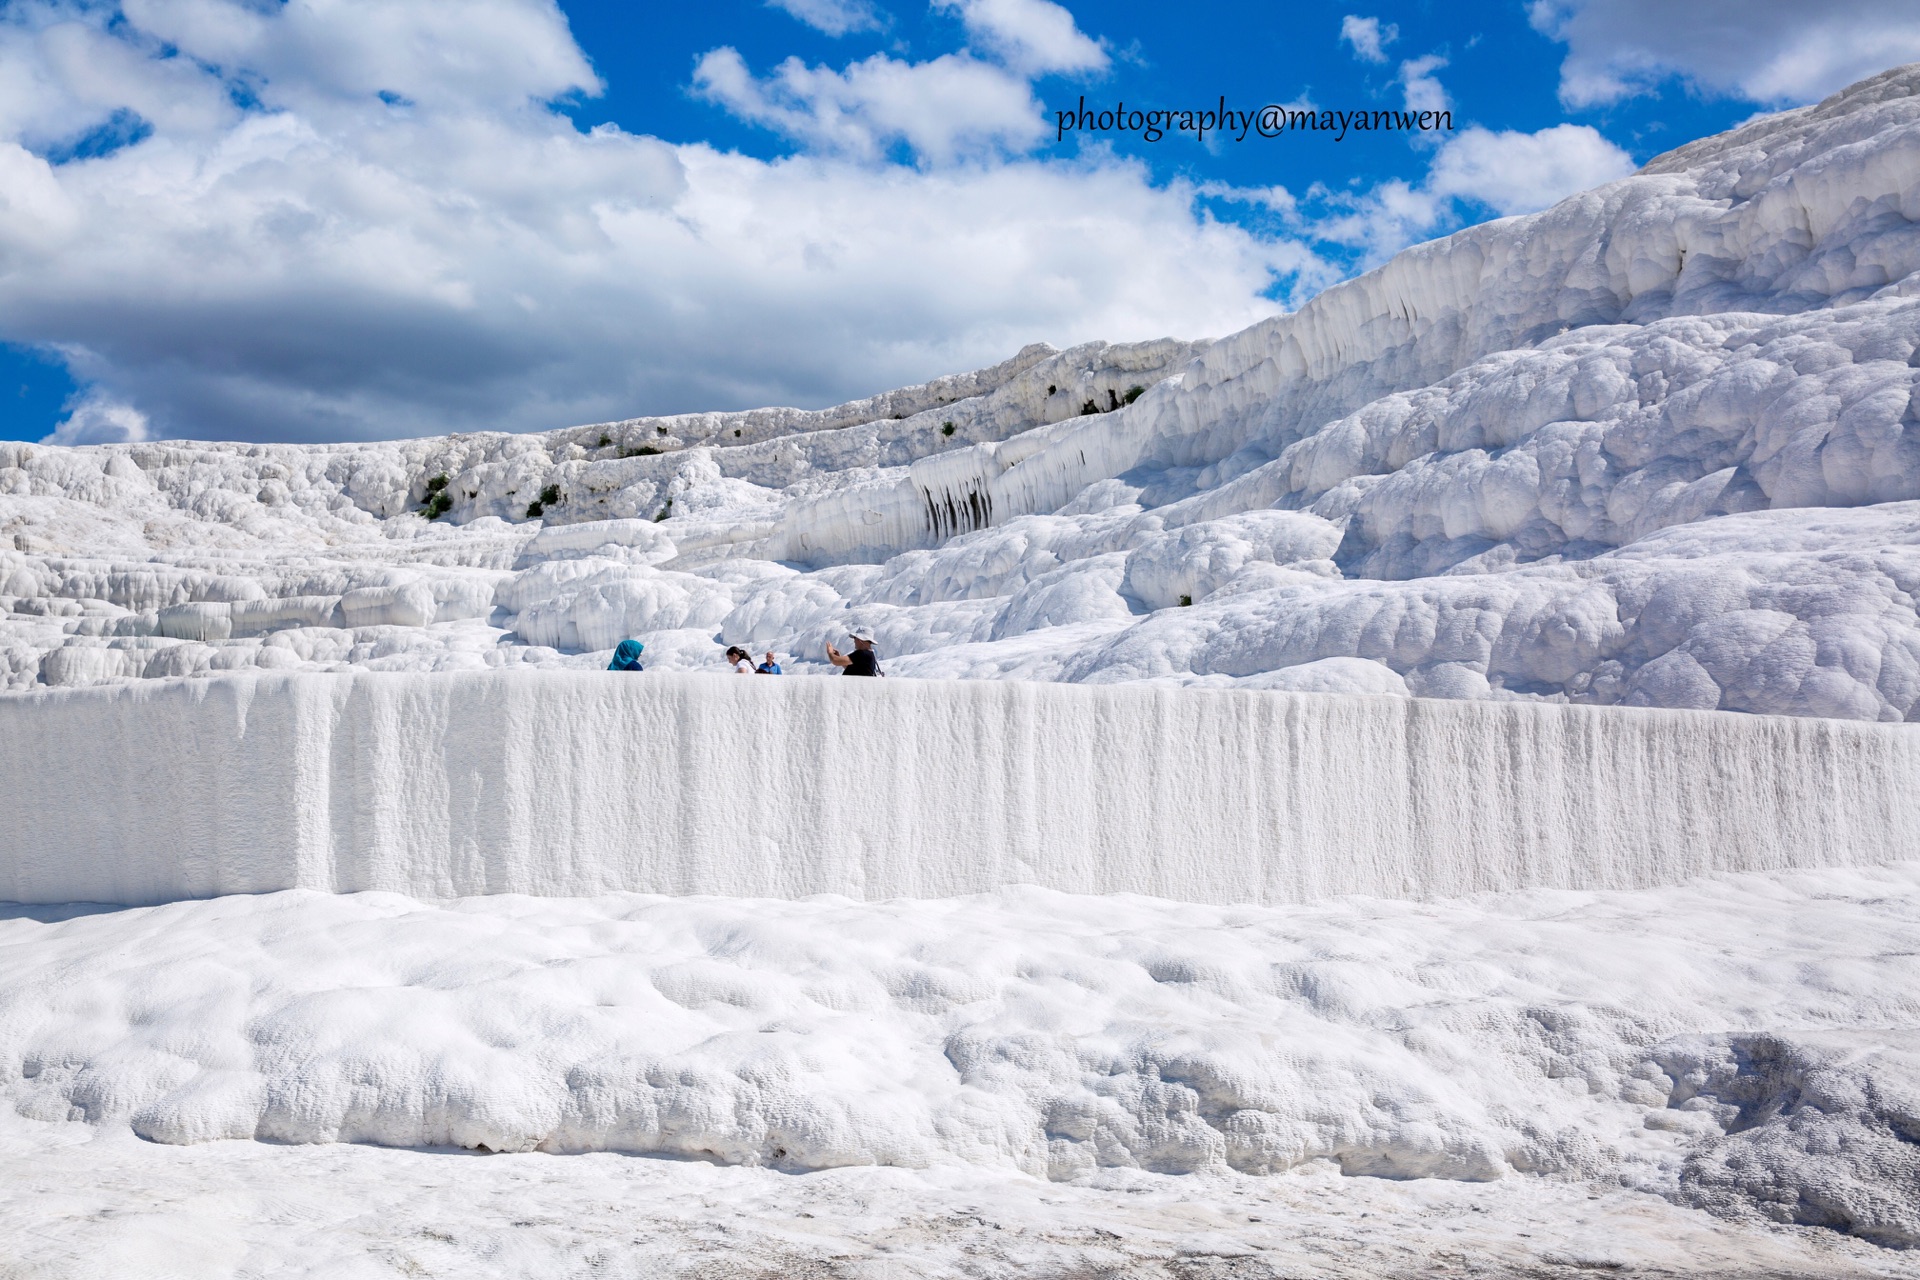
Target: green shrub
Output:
[(549, 496), (663, 511), (605, 440), (644, 451), (438, 501), (1133, 393), (946, 428), (1185, 601)]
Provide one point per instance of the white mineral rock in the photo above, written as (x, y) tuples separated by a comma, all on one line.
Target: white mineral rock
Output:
[(1656, 445)]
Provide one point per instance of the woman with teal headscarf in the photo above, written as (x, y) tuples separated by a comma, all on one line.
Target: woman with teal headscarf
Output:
[(627, 657)]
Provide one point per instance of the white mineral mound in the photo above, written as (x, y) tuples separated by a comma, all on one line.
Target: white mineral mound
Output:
[(1744, 1046), (1656, 445)]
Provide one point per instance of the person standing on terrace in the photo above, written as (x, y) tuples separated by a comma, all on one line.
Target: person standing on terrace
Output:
[(863, 661)]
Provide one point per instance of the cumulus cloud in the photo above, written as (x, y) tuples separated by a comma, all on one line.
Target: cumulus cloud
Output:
[(1508, 172), (1035, 37), (968, 105), (1375, 224), (951, 107), (100, 419), (834, 17), (1368, 37), (1766, 51), (1474, 170), (1512, 172), (1422, 89)]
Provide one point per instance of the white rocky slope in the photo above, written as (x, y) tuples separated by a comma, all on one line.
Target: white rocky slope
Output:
[(1656, 445), (1744, 1046), (1651, 446)]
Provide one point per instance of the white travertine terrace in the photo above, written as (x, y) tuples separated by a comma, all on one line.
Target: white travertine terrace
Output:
[(571, 784), (1655, 450), (1654, 446)]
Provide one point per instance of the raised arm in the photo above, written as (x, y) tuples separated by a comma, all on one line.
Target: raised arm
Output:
[(836, 657)]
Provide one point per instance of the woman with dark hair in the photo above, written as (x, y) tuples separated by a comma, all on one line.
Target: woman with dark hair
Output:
[(737, 659)]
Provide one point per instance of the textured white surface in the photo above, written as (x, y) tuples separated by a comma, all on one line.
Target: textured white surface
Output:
[(1744, 1044), (1654, 446), (573, 783), (93, 1201)]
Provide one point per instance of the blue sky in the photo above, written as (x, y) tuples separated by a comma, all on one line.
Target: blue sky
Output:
[(1501, 72), (334, 219)]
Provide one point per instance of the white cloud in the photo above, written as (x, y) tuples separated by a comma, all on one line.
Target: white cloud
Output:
[(1767, 51), (1377, 223), (100, 419), (1368, 37), (951, 107), (959, 106), (834, 17), (1423, 89), (1274, 199), (1512, 172), (1034, 37), (445, 53), (335, 265), (1508, 172)]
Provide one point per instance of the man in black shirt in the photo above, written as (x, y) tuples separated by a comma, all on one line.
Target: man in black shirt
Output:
[(863, 661)]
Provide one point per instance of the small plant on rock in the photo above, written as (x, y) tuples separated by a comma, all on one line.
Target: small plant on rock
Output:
[(438, 501), (605, 440), (1133, 393), (1185, 601), (946, 428)]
